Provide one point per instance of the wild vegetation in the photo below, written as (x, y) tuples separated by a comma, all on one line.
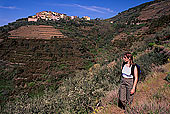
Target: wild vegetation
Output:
[(65, 86)]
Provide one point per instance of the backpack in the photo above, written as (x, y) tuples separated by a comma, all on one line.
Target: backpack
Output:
[(132, 69)]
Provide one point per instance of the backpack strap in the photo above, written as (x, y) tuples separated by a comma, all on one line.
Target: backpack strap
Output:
[(123, 64)]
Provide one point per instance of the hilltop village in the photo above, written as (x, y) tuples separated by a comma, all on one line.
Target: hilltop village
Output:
[(49, 15)]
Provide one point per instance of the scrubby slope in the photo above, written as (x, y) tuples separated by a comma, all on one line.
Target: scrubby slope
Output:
[(152, 95), (100, 45), (154, 92)]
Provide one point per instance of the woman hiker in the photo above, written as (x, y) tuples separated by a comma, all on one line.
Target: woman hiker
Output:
[(128, 81)]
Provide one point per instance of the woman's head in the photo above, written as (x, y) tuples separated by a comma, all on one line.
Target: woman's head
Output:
[(128, 57)]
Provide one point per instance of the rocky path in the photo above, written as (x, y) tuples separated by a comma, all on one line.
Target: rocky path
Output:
[(154, 89)]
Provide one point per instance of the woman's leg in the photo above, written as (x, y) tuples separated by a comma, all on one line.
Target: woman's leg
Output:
[(129, 96), (122, 95)]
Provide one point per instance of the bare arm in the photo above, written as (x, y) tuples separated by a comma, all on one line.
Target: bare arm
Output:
[(135, 81)]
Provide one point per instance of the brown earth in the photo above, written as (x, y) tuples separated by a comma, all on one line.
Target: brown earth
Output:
[(154, 82), (139, 33), (35, 32), (155, 10), (36, 54), (153, 85)]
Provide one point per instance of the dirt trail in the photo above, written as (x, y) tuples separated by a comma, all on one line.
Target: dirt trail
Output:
[(152, 85), (145, 90)]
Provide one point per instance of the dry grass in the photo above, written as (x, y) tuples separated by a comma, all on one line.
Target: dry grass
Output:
[(152, 96)]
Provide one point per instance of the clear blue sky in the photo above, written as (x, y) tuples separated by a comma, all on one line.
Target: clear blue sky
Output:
[(11, 10)]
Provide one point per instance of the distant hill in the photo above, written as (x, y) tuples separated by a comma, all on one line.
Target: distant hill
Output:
[(144, 12)]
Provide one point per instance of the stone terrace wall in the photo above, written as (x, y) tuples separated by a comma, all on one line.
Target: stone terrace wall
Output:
[(35, 32)]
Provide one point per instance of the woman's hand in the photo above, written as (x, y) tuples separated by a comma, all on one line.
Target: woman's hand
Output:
[(132, 91)]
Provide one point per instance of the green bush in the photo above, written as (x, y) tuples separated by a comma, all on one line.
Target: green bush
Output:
[(151, 44), (31, 84), (76, 94), (149, 60)]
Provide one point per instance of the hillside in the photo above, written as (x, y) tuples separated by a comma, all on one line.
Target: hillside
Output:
[(152, 96), (155, 10), (34, 57), (73, 66), (143, 13), (35, 32)]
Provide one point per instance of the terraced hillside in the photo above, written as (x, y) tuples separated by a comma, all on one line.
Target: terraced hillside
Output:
[(155, 10), (49, 66), (143, 13), (34, 59), (35, 32)]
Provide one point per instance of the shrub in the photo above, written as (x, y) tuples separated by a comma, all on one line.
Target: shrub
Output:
[(76, 94), (151, 108), (149, 60)]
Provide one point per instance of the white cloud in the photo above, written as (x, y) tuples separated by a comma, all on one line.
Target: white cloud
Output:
[(95, 8), (91, 8), (8, 7), (104, 9)]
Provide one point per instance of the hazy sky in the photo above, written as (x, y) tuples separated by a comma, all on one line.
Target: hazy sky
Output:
[(11, 10)]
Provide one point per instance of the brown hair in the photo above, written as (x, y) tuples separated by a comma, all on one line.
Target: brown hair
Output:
[(129, 56)]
